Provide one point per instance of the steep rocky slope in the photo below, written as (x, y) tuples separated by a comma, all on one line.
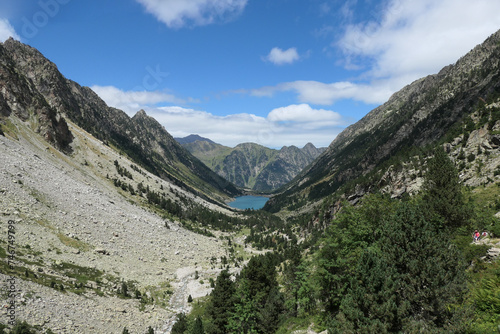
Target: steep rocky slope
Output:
[(418, 115), (19, 97), (85, 249), (253, 166), (476, 154), (154, 139), (79, 238), (31, 84)]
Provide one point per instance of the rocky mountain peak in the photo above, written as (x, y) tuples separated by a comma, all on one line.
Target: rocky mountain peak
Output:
[(253, 166), (141, 113), (309, 146), (193, 138), (24, 78), (31, 85)]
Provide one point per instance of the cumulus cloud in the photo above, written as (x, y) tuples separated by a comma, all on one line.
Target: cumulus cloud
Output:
[(278, 56), (410, 39), (6, 31), (292, 125), (305, 116), (132, 101), (404, 41), (179, 13)]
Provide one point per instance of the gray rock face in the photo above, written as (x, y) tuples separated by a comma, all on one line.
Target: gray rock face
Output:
[(19, 96), (68, 214)]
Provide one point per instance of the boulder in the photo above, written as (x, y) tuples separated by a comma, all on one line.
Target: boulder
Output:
[(101, 251)]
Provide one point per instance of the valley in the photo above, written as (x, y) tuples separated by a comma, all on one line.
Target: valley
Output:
[(68, 214), (109, 225)]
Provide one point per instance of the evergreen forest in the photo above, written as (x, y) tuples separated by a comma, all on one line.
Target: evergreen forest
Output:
[(381, 266)]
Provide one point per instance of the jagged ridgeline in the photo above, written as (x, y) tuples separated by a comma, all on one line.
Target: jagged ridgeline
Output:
[(250, 165), (34, 89), (420, 114)]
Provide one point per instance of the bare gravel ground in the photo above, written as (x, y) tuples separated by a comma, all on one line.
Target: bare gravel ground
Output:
[(66, 211)]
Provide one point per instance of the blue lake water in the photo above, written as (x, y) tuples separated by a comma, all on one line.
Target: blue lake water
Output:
[(249, 202)]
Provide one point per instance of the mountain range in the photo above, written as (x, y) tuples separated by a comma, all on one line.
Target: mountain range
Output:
[(250, 165), (37, 92), (117, 224)]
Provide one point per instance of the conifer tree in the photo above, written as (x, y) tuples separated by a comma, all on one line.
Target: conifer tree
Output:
[(443, 191), (256, 293), (198, 326), (354, 229), (180, 326), (270, 315), (406, 281), (221, 302)]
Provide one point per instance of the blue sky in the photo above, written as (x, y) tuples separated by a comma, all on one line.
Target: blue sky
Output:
[(274, 72)]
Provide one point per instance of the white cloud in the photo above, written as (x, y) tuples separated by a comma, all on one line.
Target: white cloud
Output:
[(316, 92), (411, 39), (132, 101), (6, 31), (305, 116), (179, 13), (278, 56), (404, 41), (292, 125)]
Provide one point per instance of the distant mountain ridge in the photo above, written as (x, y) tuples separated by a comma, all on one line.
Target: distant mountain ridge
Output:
[(191, 139), (250, 165)]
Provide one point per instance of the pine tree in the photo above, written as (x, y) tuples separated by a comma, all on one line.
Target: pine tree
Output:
[(181, 325), (221, 302), (406, 280), (349, 235), (370, 304), (443, 191), (270, 316), (431, 270), (256, 293), (198, 326)]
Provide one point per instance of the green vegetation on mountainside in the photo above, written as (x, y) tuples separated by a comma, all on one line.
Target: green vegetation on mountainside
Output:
[(384, 265)]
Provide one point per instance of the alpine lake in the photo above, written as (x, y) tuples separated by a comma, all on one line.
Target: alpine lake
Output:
[(249, 202)]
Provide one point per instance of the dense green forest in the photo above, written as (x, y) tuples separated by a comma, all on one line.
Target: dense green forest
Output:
[(383, 266)]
